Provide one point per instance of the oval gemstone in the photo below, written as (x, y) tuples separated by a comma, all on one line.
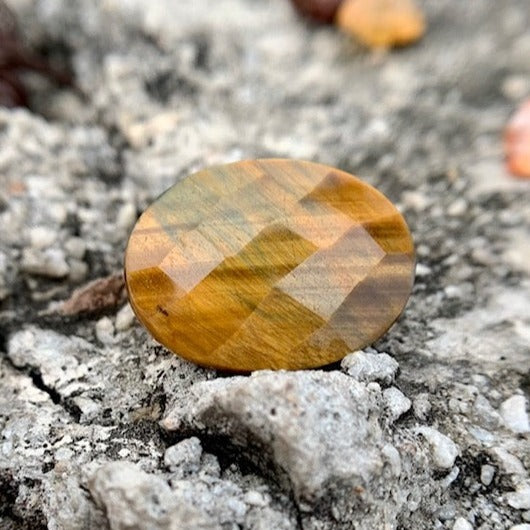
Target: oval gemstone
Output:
[(269, 264)]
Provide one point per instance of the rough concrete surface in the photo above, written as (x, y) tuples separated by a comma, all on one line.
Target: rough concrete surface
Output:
[(102, 428)]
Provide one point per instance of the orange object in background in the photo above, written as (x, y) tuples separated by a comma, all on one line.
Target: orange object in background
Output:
[(382, 23), (517, 142)]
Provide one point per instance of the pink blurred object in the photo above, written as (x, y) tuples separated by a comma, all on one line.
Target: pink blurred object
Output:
[(517, 142)]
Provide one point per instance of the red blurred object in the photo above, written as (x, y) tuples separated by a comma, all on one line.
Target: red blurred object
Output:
[(15, 58), (517, 142), (318, 10)]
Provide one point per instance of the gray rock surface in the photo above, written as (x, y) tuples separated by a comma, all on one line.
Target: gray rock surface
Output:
[(283, 421), (370, 367), (102, 428), (118, 486), (514, 415), (444, 450)]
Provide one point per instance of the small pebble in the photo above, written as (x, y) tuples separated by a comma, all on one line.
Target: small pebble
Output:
[(50, 263), (484, 411), (396, 402), (78, 270), (88, 407), (462, 524), (515, 87), (451, 260), (482, 435), (454, 291), (509, 463), (482, 256), (457, 208), (184, 457), (42, 237), (446, 482), (416, 200), (255, 498), (423, 270), (210, 465), (444, 450), (374, 387), (487, 473), (393, 458), (126, 216), (520, 498), (447, 512), (105, 330), (370, 367), (75, 247), (58, 212), (124, 318), (421, 406), (523, 526), (514, 416)]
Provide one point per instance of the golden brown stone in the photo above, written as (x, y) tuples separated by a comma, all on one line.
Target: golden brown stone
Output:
[(269, 264)]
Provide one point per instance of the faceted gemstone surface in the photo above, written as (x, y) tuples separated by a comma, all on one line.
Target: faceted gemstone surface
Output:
[(269, 264)]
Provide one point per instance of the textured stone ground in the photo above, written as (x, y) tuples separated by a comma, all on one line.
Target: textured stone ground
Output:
[(100, 427)]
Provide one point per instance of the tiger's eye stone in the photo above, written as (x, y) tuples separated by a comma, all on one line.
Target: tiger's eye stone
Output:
[(269, 264)]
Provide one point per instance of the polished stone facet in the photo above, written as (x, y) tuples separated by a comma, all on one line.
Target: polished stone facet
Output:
[(269, 264)]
